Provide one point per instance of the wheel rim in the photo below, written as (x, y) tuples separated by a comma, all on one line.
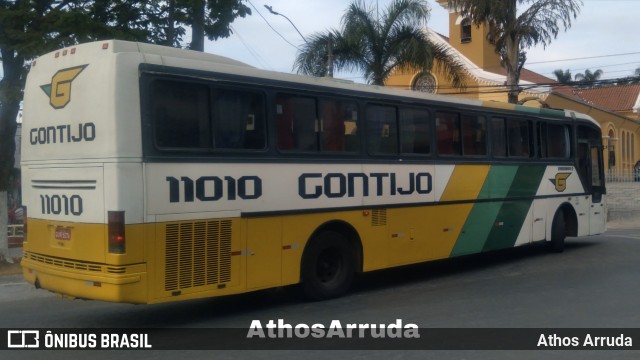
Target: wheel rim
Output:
[(329, 265)]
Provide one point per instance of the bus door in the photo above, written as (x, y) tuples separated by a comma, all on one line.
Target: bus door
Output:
[(591, 170), (597, 216)]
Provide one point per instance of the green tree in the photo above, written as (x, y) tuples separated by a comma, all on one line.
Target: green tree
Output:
[(378, 44), (563, 77), (632, 79), (206, 18), (512, 31), (31, 28), (588, 78)]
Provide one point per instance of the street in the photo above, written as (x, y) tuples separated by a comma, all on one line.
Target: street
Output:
[(593, 284)]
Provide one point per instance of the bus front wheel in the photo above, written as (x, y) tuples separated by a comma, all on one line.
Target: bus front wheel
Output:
[(328, 266), (558, 232)]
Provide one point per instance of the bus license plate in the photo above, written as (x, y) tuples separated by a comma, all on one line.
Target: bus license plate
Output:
[(63, 233)]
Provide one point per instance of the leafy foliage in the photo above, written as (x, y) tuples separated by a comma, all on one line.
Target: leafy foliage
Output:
[(563, 77), (376, 45), (511, 33), (588, 78), (29, 28)]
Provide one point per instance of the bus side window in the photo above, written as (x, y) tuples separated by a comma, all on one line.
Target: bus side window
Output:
[(448, 133), (518, 137), (415, 131), (238, 120), (383, 128), (338, 126), (542, 139), (558, 142), (498, 137), (474, 135), (180, 115), (297, 123)]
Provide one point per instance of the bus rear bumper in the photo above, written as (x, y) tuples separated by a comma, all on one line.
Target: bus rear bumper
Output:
[(81, 284)]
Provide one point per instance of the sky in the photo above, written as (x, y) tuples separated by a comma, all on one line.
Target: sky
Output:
[(603, 36)]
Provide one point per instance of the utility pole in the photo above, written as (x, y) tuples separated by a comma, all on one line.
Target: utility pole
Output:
[(330, 57), (329, 45), (289, 20)]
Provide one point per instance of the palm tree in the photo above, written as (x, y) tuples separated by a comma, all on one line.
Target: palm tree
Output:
[(377, 45), (511, 33), (589, 78), (563, 77)]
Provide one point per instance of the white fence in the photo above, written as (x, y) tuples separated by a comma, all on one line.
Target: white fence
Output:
[(622, 175)]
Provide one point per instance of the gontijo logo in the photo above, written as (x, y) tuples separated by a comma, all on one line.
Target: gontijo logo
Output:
[(560, 181), (59, 90)]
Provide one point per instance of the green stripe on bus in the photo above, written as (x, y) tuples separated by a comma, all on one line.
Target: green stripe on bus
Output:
[(496, 225), (552, 112), (512, 214), (481, 219), (477, 228)]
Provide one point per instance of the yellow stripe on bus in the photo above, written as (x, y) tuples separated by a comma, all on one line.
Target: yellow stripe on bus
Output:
[(465, 183)]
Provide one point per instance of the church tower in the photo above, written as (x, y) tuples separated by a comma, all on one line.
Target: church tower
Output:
[(471, 41)]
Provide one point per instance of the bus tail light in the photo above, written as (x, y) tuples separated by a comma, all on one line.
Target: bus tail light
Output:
[(24, 223), (116, 234)]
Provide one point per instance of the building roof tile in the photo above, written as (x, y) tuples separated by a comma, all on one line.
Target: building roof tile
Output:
[(612, 98)]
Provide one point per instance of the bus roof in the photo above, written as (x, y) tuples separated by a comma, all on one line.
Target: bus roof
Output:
[(196, 60)]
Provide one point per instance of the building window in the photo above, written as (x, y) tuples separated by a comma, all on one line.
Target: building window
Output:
[(465, 31), (425, 82), (612, 148)]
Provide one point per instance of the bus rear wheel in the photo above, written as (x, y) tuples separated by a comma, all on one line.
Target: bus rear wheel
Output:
[(328, 266), (558, 232)]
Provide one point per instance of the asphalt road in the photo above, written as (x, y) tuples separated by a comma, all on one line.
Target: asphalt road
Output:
[(593, 284)]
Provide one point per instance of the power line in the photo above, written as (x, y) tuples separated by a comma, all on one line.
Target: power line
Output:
[(582, 58), (561, 60), (272, 28), (599, 67), (253, 53), (499, 89)]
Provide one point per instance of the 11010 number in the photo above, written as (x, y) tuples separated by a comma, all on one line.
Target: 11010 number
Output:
[(61, 204)]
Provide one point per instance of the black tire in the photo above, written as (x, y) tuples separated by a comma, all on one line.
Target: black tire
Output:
[(558, 232), (328, 266)]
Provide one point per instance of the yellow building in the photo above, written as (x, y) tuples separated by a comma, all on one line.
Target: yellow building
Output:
[(485, 79), (616, 108)]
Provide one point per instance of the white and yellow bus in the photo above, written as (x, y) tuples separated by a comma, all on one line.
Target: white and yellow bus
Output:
[(153, 174)]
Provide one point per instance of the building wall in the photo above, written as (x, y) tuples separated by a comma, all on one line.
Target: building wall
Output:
[(474, 89), (478, 50)]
